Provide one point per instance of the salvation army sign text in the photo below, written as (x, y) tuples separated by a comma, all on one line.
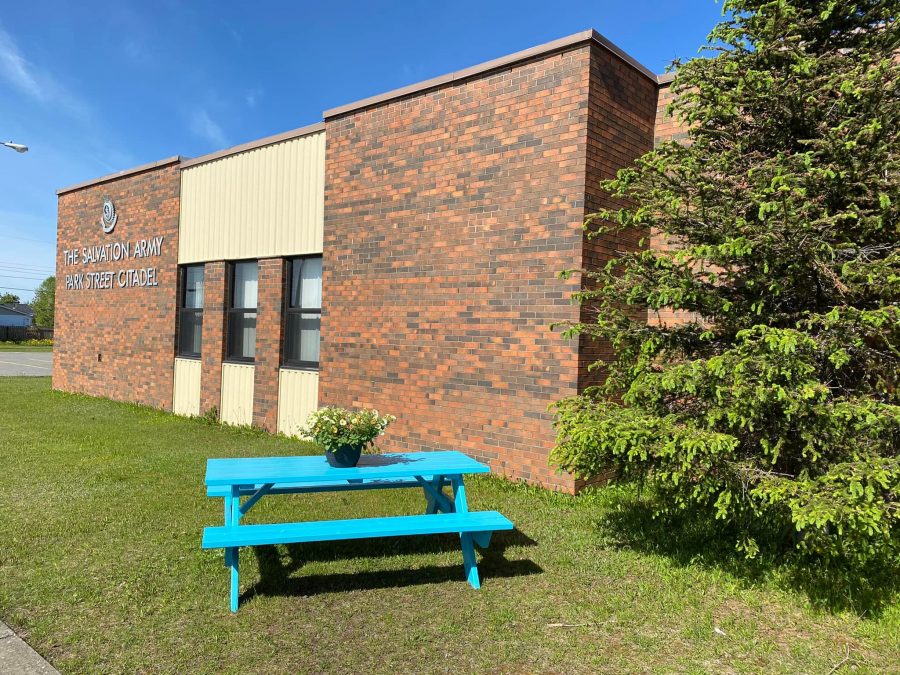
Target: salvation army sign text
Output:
[(119, 251)]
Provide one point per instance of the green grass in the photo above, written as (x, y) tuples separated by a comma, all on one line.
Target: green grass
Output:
[(14, 347), (101, 571)]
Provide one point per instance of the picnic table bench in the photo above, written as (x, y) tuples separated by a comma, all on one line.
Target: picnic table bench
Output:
[(254, 478)]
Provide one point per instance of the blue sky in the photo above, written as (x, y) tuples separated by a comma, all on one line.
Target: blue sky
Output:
[(96, 87)]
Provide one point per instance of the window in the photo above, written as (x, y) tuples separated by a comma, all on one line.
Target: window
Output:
[(241, 339), (304, 313), (190, 314)]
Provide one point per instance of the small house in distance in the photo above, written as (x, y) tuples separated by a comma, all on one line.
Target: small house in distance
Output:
[(16, 314)]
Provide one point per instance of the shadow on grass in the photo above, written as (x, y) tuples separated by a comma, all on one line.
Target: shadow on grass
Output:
[(700, 541), (276, 570)]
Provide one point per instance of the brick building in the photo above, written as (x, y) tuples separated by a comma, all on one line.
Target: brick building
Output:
[(402, 254)]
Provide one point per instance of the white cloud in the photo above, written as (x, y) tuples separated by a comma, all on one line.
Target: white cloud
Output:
[(203, 126), (16, 69), (36, 83)]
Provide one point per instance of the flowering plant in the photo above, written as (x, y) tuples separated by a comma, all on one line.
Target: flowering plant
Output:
[(334, 428)]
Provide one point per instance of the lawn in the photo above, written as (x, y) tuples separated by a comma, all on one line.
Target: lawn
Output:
[(101, 571), (17, 347)]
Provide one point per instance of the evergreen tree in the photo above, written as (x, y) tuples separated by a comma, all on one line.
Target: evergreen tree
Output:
[(9, 299), (777, 401)]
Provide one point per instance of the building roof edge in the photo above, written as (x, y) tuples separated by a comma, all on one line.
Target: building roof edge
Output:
[(560, 44), (665, 78), (121, 174), (252, 145), (547, 48), (16, 311)]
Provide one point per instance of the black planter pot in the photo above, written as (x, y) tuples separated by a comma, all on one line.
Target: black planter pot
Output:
[(345, 457)]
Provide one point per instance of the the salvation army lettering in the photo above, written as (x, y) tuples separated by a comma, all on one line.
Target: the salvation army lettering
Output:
[(115, 251), (118, 251)]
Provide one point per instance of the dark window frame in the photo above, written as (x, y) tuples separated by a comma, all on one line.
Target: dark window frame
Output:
[(235, 311), (289, 311), (194, 311)]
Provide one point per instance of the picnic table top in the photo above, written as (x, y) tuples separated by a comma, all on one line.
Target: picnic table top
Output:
[(315, 468)]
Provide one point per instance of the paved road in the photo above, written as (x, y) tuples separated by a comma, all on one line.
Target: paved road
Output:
[(26, 363)]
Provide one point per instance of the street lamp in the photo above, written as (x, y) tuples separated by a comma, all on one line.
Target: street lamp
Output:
[(18, 147)]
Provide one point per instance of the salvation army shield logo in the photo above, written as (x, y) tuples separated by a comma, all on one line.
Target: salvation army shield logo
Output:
[(108, 221)]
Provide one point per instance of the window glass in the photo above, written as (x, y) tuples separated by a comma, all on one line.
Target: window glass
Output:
[(246, 278), (304, 313), (190, 315), (241, 338), (193, 287), (190, 336), (302, 338), (242, 335), (309, 337), (306, 285)]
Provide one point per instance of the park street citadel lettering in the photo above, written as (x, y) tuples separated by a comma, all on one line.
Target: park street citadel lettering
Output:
[(132, 277)]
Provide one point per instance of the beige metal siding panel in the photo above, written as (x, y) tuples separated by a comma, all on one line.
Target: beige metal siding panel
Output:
[(237, 394), (186, 396), (264, 202), (298, 395)]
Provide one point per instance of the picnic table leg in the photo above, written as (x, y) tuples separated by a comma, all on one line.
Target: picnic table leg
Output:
[(435, 500), (482, 539), (468, 549), (430, 501), (227, 502), (233, 554)]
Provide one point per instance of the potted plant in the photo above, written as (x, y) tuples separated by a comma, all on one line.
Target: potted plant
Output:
[(345, 433)]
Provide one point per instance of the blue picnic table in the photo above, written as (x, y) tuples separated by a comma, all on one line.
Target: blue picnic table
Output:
[(252, 478)]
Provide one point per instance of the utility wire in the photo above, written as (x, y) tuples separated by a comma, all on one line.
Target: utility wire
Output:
[(10, 263), (9, 268), (13, 288), (14, 274), (12, 270)]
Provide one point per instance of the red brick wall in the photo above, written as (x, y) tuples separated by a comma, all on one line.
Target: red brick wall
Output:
[(620, 129), (269, 331), (448, 215), (118, 342), (667, 129)]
